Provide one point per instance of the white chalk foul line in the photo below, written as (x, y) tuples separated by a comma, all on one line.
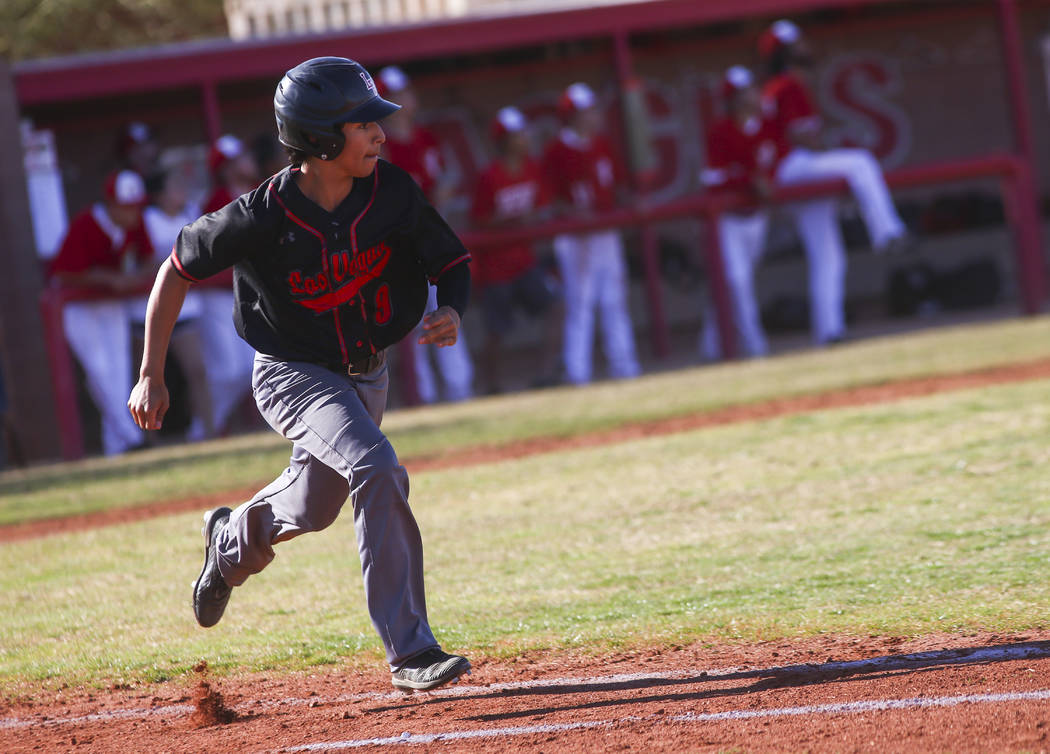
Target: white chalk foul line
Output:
[(110, 715), (457, 735), (879, 705), (944, 657)]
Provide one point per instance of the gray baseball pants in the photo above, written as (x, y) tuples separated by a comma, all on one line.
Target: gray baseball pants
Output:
[(338, 451)]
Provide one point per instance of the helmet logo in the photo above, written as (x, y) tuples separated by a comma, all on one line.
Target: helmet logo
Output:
[(369, 83)]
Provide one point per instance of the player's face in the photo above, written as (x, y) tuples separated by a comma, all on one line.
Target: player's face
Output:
[(747, 102), (802, 53), (361, 151), (516, 144), (589, 121), (126, 216)]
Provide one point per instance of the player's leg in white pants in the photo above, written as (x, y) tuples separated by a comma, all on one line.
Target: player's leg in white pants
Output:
[(826, 258), (227, 358), (575, 263), (610, 271), (864, 175), (99, 333), (742, 238), (426, 383), (338, 450), (454, 364)]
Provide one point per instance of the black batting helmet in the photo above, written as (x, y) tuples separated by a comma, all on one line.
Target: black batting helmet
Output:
[(317, 97)]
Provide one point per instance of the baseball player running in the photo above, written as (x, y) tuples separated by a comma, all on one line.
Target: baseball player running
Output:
[(803, 158), (331, 259), (741, 154)]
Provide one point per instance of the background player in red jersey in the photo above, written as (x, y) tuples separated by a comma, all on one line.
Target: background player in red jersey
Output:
[(415, 149), (804, 157), (741, 154), (107, 248), (586, 177), (233, 172), (511, 192)]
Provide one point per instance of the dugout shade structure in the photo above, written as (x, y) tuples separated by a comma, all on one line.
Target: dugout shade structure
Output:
[(652, 62)]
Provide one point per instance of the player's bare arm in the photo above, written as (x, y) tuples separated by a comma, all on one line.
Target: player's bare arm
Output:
[(149, 399)]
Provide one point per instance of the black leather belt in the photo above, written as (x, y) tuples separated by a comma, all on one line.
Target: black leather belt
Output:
[(361, 366)]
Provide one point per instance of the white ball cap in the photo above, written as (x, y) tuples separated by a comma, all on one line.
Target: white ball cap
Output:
[(580, 96), (739, 77), (393, 80), (511, 119), (786, 31), (229, 146), (126, 187)]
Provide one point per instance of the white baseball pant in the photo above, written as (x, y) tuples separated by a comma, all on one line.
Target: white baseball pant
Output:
[(99, 333), (742, 238), (227, 358), (864, 175), (594, 274), (819, 230)]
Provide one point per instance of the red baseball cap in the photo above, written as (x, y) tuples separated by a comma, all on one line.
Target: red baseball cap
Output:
[(781, 34), (126, 188)]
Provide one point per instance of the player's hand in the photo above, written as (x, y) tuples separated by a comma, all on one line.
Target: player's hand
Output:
[(148, 403), (440, 327)]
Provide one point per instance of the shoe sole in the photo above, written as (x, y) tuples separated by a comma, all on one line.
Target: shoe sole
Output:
[(454, 675), (210, 519)]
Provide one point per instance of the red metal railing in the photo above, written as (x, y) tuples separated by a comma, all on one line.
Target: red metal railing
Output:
[(1011, 172)]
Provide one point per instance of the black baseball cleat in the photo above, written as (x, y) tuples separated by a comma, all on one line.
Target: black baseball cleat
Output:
[(428, 670), (210, 592)]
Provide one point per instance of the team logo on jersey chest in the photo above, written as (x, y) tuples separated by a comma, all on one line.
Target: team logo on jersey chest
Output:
[(346, 275)]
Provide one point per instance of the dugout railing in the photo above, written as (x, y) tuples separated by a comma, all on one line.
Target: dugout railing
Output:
[(1010, 171)]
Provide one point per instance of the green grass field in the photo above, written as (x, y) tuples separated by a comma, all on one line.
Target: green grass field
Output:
[(922, 515), (176, 472)]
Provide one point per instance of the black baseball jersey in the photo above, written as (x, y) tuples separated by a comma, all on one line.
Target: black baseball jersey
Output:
[(325, 287)]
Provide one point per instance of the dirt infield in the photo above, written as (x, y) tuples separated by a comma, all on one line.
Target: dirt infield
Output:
[(973, 693), (856, 396)]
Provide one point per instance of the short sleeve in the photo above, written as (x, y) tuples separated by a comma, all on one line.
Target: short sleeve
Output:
[(216, 241), (79, 250), (438, 246)]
